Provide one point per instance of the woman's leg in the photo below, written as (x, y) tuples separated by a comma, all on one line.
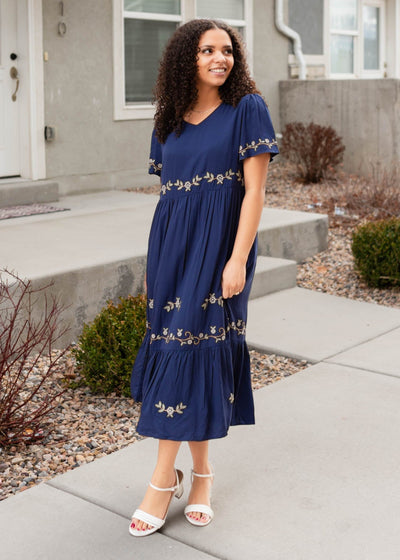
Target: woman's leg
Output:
[(155, 502), (200, 492)]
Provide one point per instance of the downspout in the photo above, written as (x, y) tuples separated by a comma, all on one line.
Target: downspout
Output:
[(292, 34)]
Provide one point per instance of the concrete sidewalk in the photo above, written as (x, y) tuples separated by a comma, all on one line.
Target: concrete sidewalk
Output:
[(317, 477)]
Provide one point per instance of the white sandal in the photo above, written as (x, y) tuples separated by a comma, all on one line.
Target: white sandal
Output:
[(202, 508), (156, 522)]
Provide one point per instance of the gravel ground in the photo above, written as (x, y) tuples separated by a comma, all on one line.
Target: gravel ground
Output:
[(85, 426), (331, 271)]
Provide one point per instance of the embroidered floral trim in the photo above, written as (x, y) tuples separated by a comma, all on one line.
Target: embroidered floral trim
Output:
[(189, 338), (209, 177), (212, 298), (172, 305), (170, 410), (253, 145), (231, 398), (220, 178), (150, 303), (154, 166), (239, 327)]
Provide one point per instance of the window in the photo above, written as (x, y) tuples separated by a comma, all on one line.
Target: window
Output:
[(357, 38), (232, 11), (147, 26), (141, 31), (371, 24)]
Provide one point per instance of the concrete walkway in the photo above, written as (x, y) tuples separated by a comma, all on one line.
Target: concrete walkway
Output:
[(317, 477)]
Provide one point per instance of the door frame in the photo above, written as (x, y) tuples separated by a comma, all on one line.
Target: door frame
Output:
[(31, 116)]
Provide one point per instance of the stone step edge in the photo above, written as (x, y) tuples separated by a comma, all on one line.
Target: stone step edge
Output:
[(19, 193), (84, 295), (272, 275)]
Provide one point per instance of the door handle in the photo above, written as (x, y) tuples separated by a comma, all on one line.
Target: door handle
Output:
[(15, 76)]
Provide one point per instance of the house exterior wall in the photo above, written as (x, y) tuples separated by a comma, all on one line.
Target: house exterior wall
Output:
[(365, 113), (91, 150), (307, 18), (270, 60)]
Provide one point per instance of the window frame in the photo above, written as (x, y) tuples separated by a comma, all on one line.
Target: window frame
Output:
[(145, 110), (380, 72), (358, 38)]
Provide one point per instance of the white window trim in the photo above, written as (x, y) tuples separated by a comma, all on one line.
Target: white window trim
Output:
[(311, 59), (380, 73), (358, 59), (393, 38), (123, 111)]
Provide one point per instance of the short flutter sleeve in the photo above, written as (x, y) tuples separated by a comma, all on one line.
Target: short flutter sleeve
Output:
[(155, 161), (257, 135)]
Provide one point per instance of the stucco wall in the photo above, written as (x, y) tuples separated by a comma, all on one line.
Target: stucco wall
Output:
[(91, 150), (365, 113), (270, 61), (307, 18)]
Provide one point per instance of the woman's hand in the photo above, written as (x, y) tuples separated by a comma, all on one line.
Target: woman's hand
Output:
[(233, 278)]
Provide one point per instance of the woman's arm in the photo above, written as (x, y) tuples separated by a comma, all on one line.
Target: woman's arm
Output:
[(255, 175)]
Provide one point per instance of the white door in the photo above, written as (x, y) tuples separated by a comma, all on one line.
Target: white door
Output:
[(9, 90)]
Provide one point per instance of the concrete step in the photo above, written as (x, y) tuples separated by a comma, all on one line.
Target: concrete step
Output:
[(97, 250), (16, 192), (273, 275), (288, 234)]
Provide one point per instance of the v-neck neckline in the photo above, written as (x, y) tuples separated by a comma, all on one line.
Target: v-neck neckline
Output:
[(206, 118)]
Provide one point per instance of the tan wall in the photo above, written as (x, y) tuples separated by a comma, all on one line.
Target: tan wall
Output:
[(365, 113), (91, 150), (271, 50)]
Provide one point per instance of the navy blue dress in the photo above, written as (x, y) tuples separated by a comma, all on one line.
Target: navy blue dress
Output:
[(192, 372)]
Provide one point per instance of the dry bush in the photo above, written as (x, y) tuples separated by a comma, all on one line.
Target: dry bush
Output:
[(371, 198), (378, 197), (315, 150), (26, 397)]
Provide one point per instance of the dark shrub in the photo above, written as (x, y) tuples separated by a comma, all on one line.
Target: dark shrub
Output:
[(376, 250), (314, 149), (108, 346)]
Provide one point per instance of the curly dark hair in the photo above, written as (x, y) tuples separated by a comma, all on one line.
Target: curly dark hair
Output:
[(175, 91)]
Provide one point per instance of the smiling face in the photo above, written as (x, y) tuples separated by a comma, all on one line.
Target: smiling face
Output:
[(214, 59)]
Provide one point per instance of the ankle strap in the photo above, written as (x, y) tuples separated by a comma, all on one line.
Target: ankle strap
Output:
[(172, 489), (203, 475)]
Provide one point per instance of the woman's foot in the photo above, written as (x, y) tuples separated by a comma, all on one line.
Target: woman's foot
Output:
[(200, 493), (154, 502)]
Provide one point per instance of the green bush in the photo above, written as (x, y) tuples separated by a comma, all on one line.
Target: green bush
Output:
[(376, 250), (108, 346)]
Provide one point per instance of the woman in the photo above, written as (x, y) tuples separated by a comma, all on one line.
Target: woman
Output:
[(211, 145)]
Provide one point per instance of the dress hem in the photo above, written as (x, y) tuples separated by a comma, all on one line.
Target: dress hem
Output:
[(214, 436)]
